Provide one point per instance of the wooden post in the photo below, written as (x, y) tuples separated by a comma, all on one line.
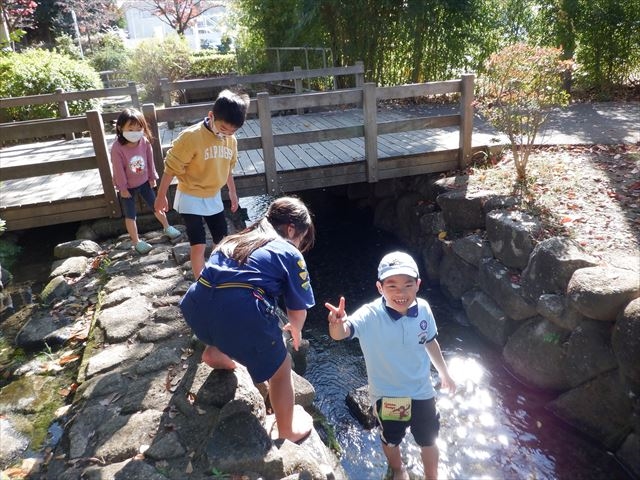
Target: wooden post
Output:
[(63, 111), (360, 76), (299, 88), (166, 98), (370, 114), (268, 150), (466, 119), (135, 100), (149, 112), (96, 128)]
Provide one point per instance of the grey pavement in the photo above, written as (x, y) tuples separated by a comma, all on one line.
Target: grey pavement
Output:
[(586, 123)]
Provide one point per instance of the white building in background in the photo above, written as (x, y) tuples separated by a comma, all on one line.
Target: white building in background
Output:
[(142, 24)]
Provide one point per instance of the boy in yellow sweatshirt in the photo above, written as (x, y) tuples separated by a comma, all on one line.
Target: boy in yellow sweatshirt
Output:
[(202, 158)]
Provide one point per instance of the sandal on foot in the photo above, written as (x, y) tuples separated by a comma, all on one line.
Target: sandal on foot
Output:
[(172, 232), (143, 247)]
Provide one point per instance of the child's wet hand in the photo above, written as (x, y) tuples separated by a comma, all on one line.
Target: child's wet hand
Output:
[(336, 314), (296, 335), (449, 385)]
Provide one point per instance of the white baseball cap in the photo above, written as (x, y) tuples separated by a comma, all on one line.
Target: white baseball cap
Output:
[(397, 263)]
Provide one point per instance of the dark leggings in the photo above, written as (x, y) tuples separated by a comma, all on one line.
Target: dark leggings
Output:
[(195, 227)]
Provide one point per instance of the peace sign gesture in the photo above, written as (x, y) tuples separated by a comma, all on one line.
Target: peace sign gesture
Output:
[(337, 317)]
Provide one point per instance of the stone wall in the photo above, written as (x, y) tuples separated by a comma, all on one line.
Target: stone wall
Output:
[(563, 321)]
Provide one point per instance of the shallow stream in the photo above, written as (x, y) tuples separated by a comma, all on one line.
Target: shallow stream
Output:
[(493, 428)]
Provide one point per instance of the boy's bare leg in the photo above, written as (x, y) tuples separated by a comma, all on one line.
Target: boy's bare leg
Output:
[(162, 218), (213, 357), (197, 259), (395, 462), (430, 462), (292, 425)]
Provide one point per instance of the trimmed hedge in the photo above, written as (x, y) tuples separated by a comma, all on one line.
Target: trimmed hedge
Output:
[(38, 71)]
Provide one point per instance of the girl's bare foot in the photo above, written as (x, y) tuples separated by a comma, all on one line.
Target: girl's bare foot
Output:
[(301, 426), (401, 474), (213, 357)]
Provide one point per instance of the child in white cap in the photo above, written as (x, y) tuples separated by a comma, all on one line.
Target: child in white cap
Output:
[(397, 334)]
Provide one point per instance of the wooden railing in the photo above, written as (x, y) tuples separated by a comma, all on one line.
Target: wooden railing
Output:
[(41, 128), (297, 75), (263, 106)]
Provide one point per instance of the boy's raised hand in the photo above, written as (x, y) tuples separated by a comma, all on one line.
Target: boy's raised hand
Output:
[(336, 314)]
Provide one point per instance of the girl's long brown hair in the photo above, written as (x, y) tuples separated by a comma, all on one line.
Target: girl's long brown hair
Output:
[(281, 213)]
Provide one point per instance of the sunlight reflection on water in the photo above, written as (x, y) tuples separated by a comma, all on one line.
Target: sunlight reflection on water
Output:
[(492, 428)]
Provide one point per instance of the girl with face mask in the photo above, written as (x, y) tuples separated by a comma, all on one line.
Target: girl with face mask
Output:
[(134, 173)]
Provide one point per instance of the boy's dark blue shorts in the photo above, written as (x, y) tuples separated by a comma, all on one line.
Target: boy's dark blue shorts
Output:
[(129, 204), (237, 322), (424, 423)]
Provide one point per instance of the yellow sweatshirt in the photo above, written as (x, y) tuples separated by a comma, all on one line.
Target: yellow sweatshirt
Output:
[(201, 160)]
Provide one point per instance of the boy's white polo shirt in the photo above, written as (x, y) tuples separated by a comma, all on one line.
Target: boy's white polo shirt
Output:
[(395, 354)]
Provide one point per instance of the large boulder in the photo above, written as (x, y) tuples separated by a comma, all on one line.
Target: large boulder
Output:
[(628, 453), (472, 249), (240, 443), (497, 282), (585, 407), (487, 317), (409, 208), (359, 405), (626, 341), (69, 267), (56, 289), (432, 253), (77, 248), (589, 352), (125, 319), (534, 353), (556, 309), (456, 276), (463, 211), (511, 235), (601, 292), (551, 266)]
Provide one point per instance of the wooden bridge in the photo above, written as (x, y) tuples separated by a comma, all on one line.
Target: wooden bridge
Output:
[(361, 134)]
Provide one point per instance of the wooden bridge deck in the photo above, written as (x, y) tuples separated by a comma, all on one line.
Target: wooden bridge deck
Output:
[(317, 160)]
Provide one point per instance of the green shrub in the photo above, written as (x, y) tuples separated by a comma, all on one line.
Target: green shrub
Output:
[(65, 44), (209, 64), (520, 86), (37, 71), (153, 60), (109, 53)]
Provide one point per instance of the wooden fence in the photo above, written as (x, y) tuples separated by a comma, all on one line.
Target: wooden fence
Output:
[(42, 128)]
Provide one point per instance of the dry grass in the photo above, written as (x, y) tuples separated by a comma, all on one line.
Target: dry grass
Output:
[(588, 193)]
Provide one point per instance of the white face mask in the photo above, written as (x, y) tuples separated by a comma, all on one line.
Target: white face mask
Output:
[(217, 132), (133, 137)]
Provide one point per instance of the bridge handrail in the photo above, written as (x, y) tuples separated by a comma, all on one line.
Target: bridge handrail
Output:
[(367, 96), (24, 128), (297, 73), (264, 105)]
